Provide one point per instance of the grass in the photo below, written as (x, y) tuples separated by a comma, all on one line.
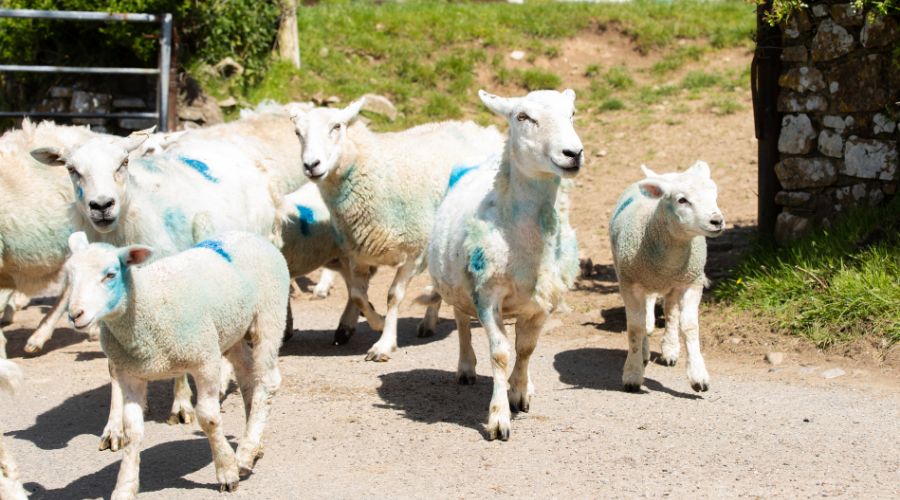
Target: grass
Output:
[(414, 51), (831, 287)]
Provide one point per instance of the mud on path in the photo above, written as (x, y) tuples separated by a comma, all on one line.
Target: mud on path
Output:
[(342, 427)]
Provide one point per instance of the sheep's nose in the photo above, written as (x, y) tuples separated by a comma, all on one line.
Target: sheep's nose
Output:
[(717, 220), (311, 165), (102, 204), (74, 315), (575, 155)]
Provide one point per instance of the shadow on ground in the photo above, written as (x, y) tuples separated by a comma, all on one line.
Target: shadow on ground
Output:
[(601, 369), (432, 396), (319, 342), (162, 466), (62, 337)]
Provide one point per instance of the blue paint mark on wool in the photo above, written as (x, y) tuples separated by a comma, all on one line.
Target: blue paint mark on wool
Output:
[(149, 164), (79, 193), (200, 167), (306, 218), (215, 246), (175, 221), (622, 207), (116, 287), (458, 173), (477, 262)]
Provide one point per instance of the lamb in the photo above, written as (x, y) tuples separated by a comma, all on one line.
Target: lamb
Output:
[(10, 487), (658, 234), (179, 315), (502, 245), (383, 190), (34, 225)]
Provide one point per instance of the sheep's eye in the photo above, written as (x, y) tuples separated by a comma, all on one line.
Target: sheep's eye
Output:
[(109, 276), (524, 116), (683, 201), (71, 170), (336, 128)]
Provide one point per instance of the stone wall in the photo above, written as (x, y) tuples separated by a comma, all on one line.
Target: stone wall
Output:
[(840, 87)]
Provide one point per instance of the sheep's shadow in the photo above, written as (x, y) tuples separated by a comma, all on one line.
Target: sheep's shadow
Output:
[(62, 337), (319, 342), (432, 396), (601, 369), (163, 466), (615, 321), (86, 413), (600, 278)]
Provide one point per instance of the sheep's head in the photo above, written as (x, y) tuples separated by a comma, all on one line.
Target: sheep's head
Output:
[(322, 133), (98, 169), (689, 196), (542, 140), (97, 276)]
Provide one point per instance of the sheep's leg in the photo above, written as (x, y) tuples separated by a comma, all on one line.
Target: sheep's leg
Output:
[(289, 323), (347, 325), (636, 317), (650, 321), (360, 293), (182, 409), (429, 322), (134, 391), (9, 308), (382, 349), (240, 356), (671, 345), (8, 467), (267, 379), (227, 369), (48, 324), (113, 436), (2, 345), (492, 320), (521, 389), (210, 419), (326, 281), (465, 370), (690, 327)]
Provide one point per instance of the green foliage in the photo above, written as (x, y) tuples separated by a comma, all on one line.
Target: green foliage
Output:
[(700, 80), (611, 105), (619, 78), (831, 287), (783, 9), (538, 79)]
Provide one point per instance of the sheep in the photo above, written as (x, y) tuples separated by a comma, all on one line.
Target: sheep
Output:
[(169, 201), (10, 487), (658, 236), (310, 243), (34, 225), (383, 190), (179, 315), (502, 245)]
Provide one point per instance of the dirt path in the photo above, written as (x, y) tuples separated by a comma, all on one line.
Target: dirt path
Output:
[(346, 428)]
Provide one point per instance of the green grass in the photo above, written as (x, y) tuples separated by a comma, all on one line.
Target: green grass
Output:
[(411, 51), (676, 59), (832, 287), (696, 80), (611, 105)]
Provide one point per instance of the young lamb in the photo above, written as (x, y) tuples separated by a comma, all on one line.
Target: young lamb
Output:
[(658, 234), (33, 218), (383, 190), (179, 315), (502, 246), (10, 487)]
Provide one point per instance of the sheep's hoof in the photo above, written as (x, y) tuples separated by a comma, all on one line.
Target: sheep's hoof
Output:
[(31, 348), (245, 470), (111, 441), (646, 362), (342, 335), (667, 361), (229, 487), (378, 357), (181, 416), (465, 378), (522, 405), (423, 332), (501, 433), (632, 387), (700, 386)]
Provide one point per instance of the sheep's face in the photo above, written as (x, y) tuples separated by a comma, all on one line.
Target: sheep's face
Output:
[(690, 197), (322, 133), (98, 169), (97, 276), (542, 138)]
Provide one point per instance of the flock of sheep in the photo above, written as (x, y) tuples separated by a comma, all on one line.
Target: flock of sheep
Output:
[(179, 249)]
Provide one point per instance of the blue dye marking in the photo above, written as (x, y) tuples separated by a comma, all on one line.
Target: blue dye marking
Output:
[(476, 261), (622, 207), (79, 193), (307, 218), (215, 246), (200, 167), (115, 287), (150, 165), (175, 221), (458, 173)]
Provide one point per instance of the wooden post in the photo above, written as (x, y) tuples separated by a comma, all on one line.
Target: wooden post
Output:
[(288, 41)]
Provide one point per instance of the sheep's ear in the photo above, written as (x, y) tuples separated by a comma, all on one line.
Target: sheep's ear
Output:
[(700, 168), (77, 242), (647, 172), (502, 106), (653, 188), (49, 156), (133, 141), (295, 110), (570, 94), (350, 113), (135, 254)]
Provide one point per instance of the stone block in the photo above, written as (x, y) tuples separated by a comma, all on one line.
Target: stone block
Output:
[(846, 14), (128, 103), (882, 124), (831, 144), (879, 31), (89, 102), (802, 79), (870, 159), (802, 173), (792, 198), (831, 41), (794, 53), (861, 85), (793, 102), (789, 227), (797, 134), (59, 92)]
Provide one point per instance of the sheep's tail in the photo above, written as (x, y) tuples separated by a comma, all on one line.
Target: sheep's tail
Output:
[(10, 375), (429, 298)]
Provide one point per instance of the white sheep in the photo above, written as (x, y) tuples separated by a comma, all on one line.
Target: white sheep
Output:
[(502, 246), (310, 243), (33, 217), (383, 190), (658, 233), (179, 315), (10, 487)]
